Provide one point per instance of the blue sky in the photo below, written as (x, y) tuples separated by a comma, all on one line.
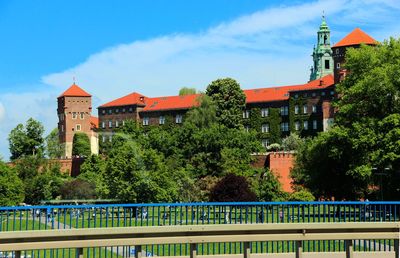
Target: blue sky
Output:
[(157, 47)]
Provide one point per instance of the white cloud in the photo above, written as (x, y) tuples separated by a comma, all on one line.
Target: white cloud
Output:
[(2, 112)]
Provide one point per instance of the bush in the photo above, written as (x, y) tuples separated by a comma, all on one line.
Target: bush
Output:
[(302, 195), (232, 188), (78, 189)]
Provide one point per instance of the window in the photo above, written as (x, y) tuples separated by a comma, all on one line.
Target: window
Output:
[(246, 114), (110, 124), (297, 125), (285, 127), (103, 138), (314, 124), (116, 111), (305, 95), (178, 119), (130, 110), (103, 112), (265, 128), (314, 108), (123, 122), (265, 143), (305, 109), (82, 115), (314, 94), (296, 109), (78, 127), (338, 65), (284, 111), (305, 125), (323, 93), (337, 51), (123, 110), (247, 128), (103, 125), (146, 120), (116, 123), (162, 120), (110, 111), (296, 96), (332, 92), (264, 112), (326, 64), (73, 115), (110, 138)]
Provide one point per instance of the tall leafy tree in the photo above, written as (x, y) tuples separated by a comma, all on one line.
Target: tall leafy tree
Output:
[(187, 91), (229, 99), (11, 186), (53, 147), (81, 145), (26, 140), (366, 135)]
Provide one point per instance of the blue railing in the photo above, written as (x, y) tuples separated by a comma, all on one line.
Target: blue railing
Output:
[(129, 215)]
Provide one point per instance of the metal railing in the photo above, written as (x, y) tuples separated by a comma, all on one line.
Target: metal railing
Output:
[(193, 235), (67, 217)]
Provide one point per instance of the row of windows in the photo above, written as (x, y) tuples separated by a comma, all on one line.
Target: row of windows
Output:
[(78, 127), (284, 111), (76, 114), (314, 94), (161, 120), (117, 110), (146, 121), (285, 126)]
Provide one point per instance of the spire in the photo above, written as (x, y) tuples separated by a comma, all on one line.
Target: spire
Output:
[(324, 25)]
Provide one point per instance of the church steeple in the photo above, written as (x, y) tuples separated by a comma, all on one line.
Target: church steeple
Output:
[(322, 53)]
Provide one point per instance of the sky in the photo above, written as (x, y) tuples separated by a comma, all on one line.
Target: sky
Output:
[(113, 48)]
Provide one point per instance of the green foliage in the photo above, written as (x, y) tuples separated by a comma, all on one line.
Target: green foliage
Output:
[(45, 186), (366, 132), (232, 188), (93, 171), (11, 187), (53, 148), (187, 91), (267, 187), (204, 115), (302, 196), (26, 140), (229, 100), (81, 145), (292, 142), (77, 189), (28, 167)]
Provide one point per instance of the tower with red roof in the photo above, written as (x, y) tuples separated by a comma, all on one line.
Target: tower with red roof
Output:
[(74, 115), (353, 40)]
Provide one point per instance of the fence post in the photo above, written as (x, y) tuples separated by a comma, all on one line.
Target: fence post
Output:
[(246, 249), (396, 248), (138, 251), (79, 253), (17, 254), (193, 250), (349, 248), (299, 249)]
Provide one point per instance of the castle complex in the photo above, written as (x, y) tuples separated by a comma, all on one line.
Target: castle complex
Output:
[(303, 108)]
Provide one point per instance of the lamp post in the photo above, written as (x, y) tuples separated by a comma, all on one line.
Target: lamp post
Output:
[(381, 174)]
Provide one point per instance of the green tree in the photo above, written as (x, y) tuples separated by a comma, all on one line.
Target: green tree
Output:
[(292, 142), (78, 189), (302, 196), (204, 115), (45, 186), (267, 187), (93, 171), (81, 145), (187, 91), (365, 134), (11, 187), (230, 101), (53, 148), (26, 140)]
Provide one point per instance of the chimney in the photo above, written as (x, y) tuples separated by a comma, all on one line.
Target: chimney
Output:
[(141, 98), (321, 82)]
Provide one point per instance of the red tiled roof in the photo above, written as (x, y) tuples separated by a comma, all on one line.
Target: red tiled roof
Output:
[(282, 92), (356, 37), (171, 102), (75, 91), (94, 122), (130, 99), (252, 96)]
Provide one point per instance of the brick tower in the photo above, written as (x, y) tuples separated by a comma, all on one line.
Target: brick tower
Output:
[(74, 115)]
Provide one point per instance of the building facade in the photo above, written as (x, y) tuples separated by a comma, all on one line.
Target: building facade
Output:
[(75, 115)]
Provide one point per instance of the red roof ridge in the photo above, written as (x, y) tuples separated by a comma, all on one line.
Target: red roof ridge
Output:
[(75, 91), (356, 37), (129, 99)]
